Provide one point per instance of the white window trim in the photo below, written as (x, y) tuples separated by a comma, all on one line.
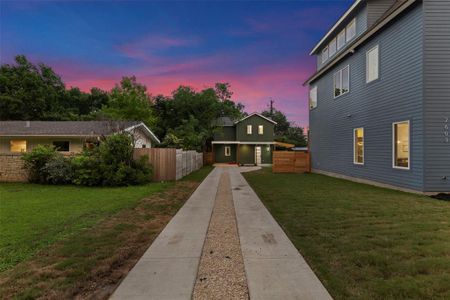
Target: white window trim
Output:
[(354, 147), (325, 50), (394, 145), (334, 81), (310, 106), (249, 129), (367, 63), (337, 39), (260, 129), (348, 25), (333, 41), (227, 151)]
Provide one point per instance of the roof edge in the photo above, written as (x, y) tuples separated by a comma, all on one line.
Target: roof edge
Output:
[(339, 22), (360, 40), (270, 120)]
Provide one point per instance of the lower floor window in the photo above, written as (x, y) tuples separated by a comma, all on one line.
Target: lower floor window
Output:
[(227, 151), (18, 146), (358, 141), (62, 145), (401, 145)]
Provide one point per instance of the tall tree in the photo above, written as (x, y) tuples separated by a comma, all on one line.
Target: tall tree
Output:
[(129, 101), (30, 92)]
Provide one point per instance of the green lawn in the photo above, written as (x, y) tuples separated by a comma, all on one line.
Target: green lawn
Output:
[(363, 242), (34, 216)]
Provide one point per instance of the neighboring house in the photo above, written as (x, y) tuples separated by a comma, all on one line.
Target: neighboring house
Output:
[(380, 98), (248, 141), (67, 136)]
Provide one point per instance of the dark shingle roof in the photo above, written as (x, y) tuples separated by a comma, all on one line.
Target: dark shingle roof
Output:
[(83, 128)]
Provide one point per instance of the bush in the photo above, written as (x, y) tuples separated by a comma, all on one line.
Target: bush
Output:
[(36, 160), (109, 164), (58, 170)]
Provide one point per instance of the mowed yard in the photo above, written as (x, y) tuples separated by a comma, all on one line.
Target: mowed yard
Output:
[(362, 241), (68, 241)]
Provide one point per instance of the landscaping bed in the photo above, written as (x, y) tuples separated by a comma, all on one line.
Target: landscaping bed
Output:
[(66, 241), (362, 241)]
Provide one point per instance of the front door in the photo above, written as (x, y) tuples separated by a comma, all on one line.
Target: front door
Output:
[(258, 155)]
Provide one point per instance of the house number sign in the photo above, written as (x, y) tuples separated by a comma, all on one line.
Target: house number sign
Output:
[(446, 130)]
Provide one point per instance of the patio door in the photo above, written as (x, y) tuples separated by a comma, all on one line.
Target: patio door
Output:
[(258, 155)]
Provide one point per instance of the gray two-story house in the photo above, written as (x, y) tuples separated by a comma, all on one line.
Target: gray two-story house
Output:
[(380, 97), (248, 141)]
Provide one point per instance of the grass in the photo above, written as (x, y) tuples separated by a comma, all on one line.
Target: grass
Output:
[(362, 241), (67, 242)]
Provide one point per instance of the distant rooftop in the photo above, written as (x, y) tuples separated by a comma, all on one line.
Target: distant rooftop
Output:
[(64, 128)]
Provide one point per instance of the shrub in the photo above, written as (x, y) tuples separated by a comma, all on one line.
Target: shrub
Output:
[(58, 170), (111, 164), (36, 160)]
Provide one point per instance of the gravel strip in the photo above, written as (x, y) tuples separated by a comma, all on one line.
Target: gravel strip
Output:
[(221, 273)]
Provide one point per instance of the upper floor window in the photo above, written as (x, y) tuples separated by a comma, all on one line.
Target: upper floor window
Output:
[(358, 146), (18, 146), (372, 64), (351, 30), (260, 129), (401, 145), (341, 39), (313, 98), (61, 145), (325, 54), (332, 48), (249, 129), (342, 81)]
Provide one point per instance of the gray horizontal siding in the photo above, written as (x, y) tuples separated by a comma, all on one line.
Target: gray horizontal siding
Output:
[(395, 96), (376, 8), (437, 93)]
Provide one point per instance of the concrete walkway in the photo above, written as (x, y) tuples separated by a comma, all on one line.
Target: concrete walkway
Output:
[(274, 268)]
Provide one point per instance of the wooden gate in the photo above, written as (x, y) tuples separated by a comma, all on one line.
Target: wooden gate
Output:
[(290, 162)]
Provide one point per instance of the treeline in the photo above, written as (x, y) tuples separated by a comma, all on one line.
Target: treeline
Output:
[(185, 119)]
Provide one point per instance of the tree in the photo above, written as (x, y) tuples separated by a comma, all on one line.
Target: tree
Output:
[(285, 131), (29, 92), (129, 101), (189, 116)]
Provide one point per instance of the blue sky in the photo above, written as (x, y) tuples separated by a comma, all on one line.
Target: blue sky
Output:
[(260, 47)]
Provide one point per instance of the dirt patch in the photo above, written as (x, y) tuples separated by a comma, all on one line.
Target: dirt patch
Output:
[(221, 273), (91, 264), (442, 196)]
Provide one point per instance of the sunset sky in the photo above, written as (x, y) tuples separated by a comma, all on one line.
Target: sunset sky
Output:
[(260, 48)]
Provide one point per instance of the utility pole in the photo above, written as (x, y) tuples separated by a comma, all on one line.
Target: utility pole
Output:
[(271, 107)]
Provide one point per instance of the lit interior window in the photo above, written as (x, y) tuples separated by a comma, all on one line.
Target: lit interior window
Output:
[(260, 129), (18, 145), (401, 145), (359, 146)]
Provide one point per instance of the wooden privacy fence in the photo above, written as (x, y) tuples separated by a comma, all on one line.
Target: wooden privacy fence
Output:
[(171, 163), (208, 158), (290, 162)]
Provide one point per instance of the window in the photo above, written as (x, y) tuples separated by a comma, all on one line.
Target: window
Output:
[(351, 30), (341, 39), (260, 129), (332, 47), (249, 129), (227, 151), (61, 145), (372, 64), (325, 54), (18, 146), (401, 146), (342, 81), (313, 98), (358, 146)]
